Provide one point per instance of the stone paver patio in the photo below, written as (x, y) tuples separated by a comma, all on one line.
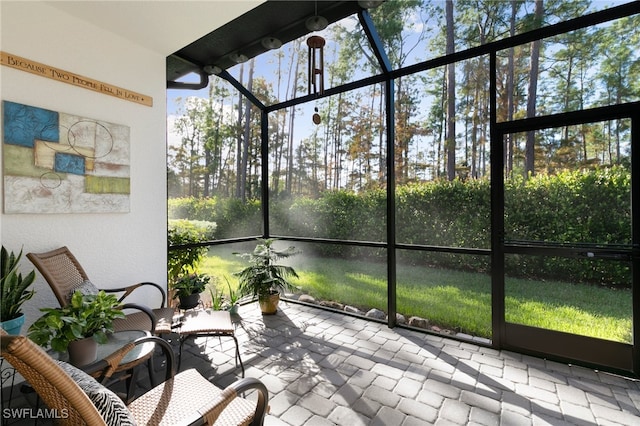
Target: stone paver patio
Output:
[(325, 368)]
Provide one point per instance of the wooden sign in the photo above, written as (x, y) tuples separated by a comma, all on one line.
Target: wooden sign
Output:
[(57, 74)]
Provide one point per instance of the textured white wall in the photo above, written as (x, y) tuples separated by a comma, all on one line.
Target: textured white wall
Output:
[(115, 249)]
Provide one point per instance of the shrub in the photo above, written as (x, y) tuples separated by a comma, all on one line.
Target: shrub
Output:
[(233, 217), (185, 260), (569, 207)]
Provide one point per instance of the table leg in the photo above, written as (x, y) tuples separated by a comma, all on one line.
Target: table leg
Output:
[(238, 354), (182, 338)]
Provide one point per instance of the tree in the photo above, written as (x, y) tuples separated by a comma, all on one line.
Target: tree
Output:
[(529, 168), (246, 136), (400, 36), (292, 117), (348, 149), (619, 73), (478, 22), (240, 181), (217, 136), (192, 126), (451, 96), (509, 143)]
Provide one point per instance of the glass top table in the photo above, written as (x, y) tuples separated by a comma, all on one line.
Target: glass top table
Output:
[(137, 355), (116, 341)]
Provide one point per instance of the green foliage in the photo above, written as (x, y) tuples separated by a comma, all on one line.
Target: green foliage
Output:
[(185, 260), (189, 284), (335, 214), (569, 207), (217, 299), (263, 276), (234, 296), (445, 213), (232, 217), (13, 286), (85, 316), (193, 208), (239, 218)]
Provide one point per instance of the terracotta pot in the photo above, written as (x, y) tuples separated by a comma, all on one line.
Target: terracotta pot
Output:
[(269, 303), (82, 352)]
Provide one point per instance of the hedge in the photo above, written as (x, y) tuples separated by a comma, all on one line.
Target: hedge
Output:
[(569, 207), (183, 231), (233, 218)]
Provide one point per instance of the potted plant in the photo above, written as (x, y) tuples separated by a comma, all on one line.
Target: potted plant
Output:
[(14, 291), (234, 297), (217, 299), (79, 326), (188, 287), (263, 277)]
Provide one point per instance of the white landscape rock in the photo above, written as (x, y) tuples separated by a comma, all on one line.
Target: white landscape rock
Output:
[(376, 314)]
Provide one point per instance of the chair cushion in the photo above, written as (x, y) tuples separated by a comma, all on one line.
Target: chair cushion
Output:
[(111, 408), (85, 287)]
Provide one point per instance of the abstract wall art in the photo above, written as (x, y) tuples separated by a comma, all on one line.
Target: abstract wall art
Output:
[(61, 163)]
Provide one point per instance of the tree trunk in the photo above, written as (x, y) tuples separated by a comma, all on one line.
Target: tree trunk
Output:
[(529, 152), (247, 134), (382, 156), (451, 97), (239, 181), (508, 143), (441, 125), (279, 132), (292, 119)]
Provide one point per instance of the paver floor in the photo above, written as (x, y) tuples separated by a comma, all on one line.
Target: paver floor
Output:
[(325, 368)]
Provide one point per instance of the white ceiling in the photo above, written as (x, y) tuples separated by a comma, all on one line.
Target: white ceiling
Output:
[(163, 26)]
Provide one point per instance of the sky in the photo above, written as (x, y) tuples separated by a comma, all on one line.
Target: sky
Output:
[(266, 67)]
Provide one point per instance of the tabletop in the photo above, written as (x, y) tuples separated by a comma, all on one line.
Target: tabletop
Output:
[(116, 341)]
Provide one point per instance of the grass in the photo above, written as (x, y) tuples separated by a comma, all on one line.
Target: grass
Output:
[(455, 300), (579, 309)]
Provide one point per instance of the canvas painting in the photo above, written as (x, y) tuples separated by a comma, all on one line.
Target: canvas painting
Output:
[(62, 163)]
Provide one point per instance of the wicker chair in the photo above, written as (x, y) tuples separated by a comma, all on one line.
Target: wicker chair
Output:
[(184, 399), (63, 272)]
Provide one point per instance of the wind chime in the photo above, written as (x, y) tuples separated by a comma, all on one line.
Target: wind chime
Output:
[(316, 69)]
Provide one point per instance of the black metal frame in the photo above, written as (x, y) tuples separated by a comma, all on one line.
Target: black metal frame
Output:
[(613, 356)]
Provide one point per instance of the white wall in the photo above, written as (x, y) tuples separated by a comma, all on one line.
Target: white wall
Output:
[(115, 249)]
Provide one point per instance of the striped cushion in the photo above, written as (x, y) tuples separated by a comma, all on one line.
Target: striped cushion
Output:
[(111, 408)]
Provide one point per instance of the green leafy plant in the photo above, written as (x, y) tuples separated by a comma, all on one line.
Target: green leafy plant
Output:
[(217, 299), (263, 276), (14, 288), (185, 260), (85, 316), (190, 284), (234, 296)]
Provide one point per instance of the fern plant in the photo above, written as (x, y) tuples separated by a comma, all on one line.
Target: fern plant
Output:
[(263, 276)]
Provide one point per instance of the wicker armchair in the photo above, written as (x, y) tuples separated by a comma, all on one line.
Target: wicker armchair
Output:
[(184, 399), (63, 273)]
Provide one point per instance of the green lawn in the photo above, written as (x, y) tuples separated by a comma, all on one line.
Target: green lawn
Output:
[(452, 299)]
